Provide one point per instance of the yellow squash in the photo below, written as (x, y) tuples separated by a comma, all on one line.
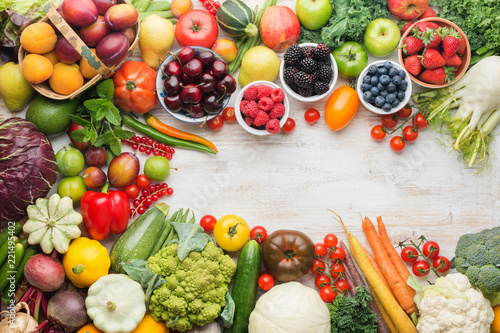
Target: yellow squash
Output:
[(89, 328), (149, 325)]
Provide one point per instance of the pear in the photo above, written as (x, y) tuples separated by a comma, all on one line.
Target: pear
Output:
[(156, 39), (14, 88), (259, 63)]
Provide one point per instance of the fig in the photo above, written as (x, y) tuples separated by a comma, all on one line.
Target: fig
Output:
[(123, 170), (113, 48), (80, 12)]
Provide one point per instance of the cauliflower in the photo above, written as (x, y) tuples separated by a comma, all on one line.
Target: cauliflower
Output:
[(194, 290), (452, 305)]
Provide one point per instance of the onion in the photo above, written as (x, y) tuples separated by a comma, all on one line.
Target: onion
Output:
[(18, 322), (66, 309)]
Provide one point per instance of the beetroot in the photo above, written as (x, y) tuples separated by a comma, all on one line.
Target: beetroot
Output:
[(44, 272), (66, 309)]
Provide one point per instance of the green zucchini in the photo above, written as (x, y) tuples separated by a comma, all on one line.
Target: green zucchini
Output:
[(5, 250), (245, 285), (139, 239), (13, 262), (10, 289), (237, 19), (4, 235)]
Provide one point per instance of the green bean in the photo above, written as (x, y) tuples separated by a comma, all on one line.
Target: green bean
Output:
[(158, 5), (165, 14)]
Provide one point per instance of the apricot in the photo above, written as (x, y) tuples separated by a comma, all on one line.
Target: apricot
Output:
[(80, 12), (92, 34), (36, 68), (51, 56), (66, 78), (88, 71), (38, 38), (180, 7), (121, 16), (66, 52)]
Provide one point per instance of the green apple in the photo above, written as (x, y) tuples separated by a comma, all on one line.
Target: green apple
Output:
[(381, 37), (313, 14)]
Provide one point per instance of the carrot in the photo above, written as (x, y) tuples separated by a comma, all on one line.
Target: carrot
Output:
[(394, 256), (352, 287), (395, 282), (379, 272), (397, 315), (176, 133), (389, 326)]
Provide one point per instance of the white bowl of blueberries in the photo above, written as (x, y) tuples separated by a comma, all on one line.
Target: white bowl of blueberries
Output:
[(384, 87)]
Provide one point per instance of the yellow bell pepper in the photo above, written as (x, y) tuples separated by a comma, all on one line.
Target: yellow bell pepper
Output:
[(150, 325), (89, 328), (85, 262)]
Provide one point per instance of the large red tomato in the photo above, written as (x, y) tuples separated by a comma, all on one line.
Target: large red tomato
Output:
[(196, 28)]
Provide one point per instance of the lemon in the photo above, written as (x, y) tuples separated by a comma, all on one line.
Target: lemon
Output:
[(14, 88), (51, 117), (259, 63)]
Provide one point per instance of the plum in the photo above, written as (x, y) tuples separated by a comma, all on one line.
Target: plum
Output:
[(96, 156), (92, 34), (130, 33), (113, 48), (121, 16), (94, 177), (123, 170), (103, 5), (80, 12), (66, 52)]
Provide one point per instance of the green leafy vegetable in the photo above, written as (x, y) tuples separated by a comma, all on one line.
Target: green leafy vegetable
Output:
[(228, 313), (139, 272), (192, 237)]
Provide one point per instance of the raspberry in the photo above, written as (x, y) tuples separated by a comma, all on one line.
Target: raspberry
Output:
[(277, 95), (263, 91), (249, 121), (252, 109), (261, 119), (273, 126), (250, 94), (266, 104), (278, 111), (243, 107)]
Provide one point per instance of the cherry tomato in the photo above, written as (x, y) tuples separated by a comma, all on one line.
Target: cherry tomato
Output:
[(289, 126), (420, 121), (216, 123), (338, 254), (337, 270), (420, 268), (196, 27), (409, 254), (410, 133), (142, 181), (397, 143), (330, 240), (208, 222), (430, 250), (377, 133), (228, 115), (442, 264), (388, 121), (259, 234), (320, 249), (311, 116), (327, 294), (342, 285), (405, 112), (341, 107), (132, 191), (322, 280), (266, 282), (318, 267)]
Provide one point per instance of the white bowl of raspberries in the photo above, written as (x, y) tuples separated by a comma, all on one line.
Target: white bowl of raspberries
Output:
[(262, 108), (308, 71)]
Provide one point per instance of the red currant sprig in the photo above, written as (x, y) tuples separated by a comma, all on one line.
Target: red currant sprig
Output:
[(149, 146), (211, 6), (149, 195)]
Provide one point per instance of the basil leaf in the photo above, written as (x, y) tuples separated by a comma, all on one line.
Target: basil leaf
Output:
[(103, 139), (112, 113)]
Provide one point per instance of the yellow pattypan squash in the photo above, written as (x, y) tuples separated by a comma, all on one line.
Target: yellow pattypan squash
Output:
[(85, 262), (149, 325), (89, 328)]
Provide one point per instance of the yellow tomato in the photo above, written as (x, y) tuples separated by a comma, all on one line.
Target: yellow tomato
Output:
[(231, 232), (341, 107), (495, 325)]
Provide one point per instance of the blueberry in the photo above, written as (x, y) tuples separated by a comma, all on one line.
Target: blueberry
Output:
[(396, 103), (365, 87), (388, 65), (401, 95), (382, 71), (397, 80), (403, 85), (402, 73), (393, 72), (374, 91), (379, 101), (374, 80), (390, 98), (373, 70), (367, 79), (391, 87), (384, 93), (367, 96), (385, 79), (387, 107)]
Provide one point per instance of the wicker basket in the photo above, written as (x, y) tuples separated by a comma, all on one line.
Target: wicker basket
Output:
[(103, 70)]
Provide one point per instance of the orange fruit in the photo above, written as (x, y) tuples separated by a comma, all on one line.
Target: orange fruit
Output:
[(495, 325), (226, 49)]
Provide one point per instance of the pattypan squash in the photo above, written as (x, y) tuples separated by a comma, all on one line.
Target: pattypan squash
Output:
[(85, 262), (89, 328), (116, 303), (52, 223), (150, 325)]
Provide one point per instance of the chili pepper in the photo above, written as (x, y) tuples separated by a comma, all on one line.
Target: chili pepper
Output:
[(105, 212), (176, 133), (163, 138)]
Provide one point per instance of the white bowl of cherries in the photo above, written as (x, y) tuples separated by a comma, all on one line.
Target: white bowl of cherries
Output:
[(194, 84)]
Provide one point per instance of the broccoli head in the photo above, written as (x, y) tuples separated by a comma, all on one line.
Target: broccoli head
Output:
[(478, 257), (194, 290)]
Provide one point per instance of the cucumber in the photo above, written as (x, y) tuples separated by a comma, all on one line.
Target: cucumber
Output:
[(140, 238), (245, 285), (13, 262), (4, 235), (9, 291)]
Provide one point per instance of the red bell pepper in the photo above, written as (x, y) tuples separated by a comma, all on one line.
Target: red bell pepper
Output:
[(105, 212)]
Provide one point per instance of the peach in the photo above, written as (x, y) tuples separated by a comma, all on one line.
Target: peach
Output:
[(80, 12), (92, 34), (103, 5), (51, 56), (88, 71), (66, 78), (113, 48), (38, 38), (66, 52), (121, 16), (36, 68), (180, 7)]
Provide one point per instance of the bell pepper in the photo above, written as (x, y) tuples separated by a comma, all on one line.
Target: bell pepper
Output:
[(135, 87), (85, 262), (105, 212)]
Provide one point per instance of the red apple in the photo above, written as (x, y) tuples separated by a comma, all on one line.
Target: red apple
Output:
[(407, 9), (279, 28)]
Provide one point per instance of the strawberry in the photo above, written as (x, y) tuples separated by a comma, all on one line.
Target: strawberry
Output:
[(451, 42), (412, 45), (432, 59), (438, 75), (429, 12), (453, 61), (413, 65), (462, 46), (423, 26), (404, 25), (428, 32)]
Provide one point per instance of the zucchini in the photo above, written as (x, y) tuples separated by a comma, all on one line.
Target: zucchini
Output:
[(13, 262), (4, 235), (245, 285), (237, 19), (140, 238), (10, 289), (5, 250)]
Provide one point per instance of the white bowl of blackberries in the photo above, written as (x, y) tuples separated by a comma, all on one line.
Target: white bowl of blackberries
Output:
[(308, 71), (384, 87), (194, 84)]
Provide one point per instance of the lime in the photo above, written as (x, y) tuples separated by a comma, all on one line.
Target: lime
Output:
[(157, 168), (51, 117)]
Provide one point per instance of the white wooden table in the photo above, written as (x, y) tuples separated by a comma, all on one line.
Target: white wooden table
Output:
[(290, 181)]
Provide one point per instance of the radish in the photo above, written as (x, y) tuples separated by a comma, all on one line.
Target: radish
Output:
[(44, 272)]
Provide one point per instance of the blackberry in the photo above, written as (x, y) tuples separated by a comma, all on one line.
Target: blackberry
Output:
[(308, 51), (305, 92), (294, 87), (314, 77), (325, 73), (320, 87), (289, 75), (308, 65), (293, 55), (321, 53), (303, 79)]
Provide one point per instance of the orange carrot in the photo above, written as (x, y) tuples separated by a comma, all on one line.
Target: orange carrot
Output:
[(394, 256), (379, 272), (395, 282)]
